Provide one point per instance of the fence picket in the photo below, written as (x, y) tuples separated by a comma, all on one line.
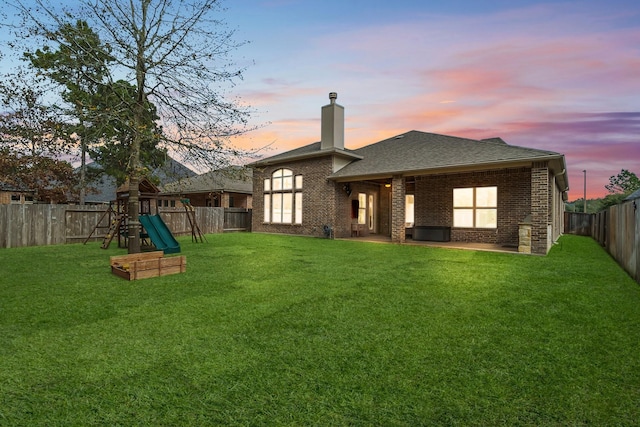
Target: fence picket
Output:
[(616, 228), (40, 224)]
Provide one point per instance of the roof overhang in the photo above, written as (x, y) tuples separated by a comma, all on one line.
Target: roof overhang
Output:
[(557, 166), (335, 152), (213, 190)]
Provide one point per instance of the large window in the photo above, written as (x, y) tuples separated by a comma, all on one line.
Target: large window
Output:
[(283, 198), (475, 207)]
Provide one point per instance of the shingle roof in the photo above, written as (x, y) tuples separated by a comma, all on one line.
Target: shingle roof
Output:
[(308, 151), (105, 185), (233, 179), (633, 196), (14, 187), (417, 151)]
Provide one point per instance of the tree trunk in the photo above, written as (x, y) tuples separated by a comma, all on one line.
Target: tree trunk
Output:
[(134, 187), (83, 172), (133, 212)]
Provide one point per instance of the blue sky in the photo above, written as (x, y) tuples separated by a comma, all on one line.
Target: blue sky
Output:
[(558, 75)]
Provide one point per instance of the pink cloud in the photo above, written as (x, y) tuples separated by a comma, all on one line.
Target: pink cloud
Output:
[(550, 76)]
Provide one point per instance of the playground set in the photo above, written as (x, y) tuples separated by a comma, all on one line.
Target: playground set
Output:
[(154, 234)]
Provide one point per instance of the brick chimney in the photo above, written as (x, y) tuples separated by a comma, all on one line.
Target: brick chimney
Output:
[(332, 133)]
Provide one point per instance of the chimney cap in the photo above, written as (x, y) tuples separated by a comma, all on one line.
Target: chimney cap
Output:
[(333, 96)]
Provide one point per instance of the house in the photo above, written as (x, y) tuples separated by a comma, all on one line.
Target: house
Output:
[(418, 184), (230, 187), (104, 187), (633, 196), (13, 194)]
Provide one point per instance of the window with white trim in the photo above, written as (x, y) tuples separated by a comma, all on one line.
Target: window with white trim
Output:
[(362, 208), (283, 198), (409, 216), (475, 207)]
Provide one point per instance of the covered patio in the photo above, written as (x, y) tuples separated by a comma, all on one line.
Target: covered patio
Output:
[(474, 246)]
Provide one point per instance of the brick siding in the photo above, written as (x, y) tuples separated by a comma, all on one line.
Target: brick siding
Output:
[(318, 198), (521, 192), (434, 203), (540, 215), (398, 210)]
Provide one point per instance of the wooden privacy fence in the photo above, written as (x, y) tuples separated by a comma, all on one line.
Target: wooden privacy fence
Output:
[(237, 219), (616, 228), (39, 224), (578, 223)]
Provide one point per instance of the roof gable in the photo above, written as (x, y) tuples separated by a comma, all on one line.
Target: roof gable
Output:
[(417, 151), (633, 196), (233, 179), (306, 152)]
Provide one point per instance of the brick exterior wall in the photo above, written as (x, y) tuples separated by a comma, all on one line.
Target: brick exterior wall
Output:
[(521, 192), (557, 211), (434, 203), (319, 197), (5, 198), (540, 215), (398, 209)]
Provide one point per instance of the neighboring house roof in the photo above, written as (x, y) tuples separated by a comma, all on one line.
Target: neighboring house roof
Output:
[(17, 188), (633, 196), (172, 170), (233, 179), (106, 185), (105, 189)]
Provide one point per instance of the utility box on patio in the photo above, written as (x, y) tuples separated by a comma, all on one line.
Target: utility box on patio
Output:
[(432, 233), (147, 264)]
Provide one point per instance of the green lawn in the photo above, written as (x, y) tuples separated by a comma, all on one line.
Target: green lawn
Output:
[(278, 330)]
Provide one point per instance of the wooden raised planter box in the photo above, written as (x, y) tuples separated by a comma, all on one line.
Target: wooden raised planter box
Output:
[(147, 264)]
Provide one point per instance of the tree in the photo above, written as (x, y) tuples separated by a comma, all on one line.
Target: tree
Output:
[(28, 125), (79, 65), (624, 183), (32, 140), (174, 52), (113, 151), (52, 180)]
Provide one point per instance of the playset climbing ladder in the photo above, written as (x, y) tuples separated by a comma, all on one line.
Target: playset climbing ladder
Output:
[(115, 221), (191, 215), (114, 229)]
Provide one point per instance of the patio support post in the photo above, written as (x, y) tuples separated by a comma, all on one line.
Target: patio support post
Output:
[(539, 208), (398, 209)]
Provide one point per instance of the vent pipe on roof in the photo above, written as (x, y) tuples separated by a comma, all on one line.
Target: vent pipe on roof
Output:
[(332, 131)]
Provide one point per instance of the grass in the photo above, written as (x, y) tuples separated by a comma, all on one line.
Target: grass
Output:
[(279, 330)]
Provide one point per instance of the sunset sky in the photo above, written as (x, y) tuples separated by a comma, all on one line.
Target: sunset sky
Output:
[(560, 76)]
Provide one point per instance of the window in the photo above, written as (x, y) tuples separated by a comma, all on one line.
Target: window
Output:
[(370, 216), (362, 208), (475, 207), (409, 210), (283, 198)]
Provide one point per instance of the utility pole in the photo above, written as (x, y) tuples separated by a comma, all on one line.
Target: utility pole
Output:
[(585, 190)]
